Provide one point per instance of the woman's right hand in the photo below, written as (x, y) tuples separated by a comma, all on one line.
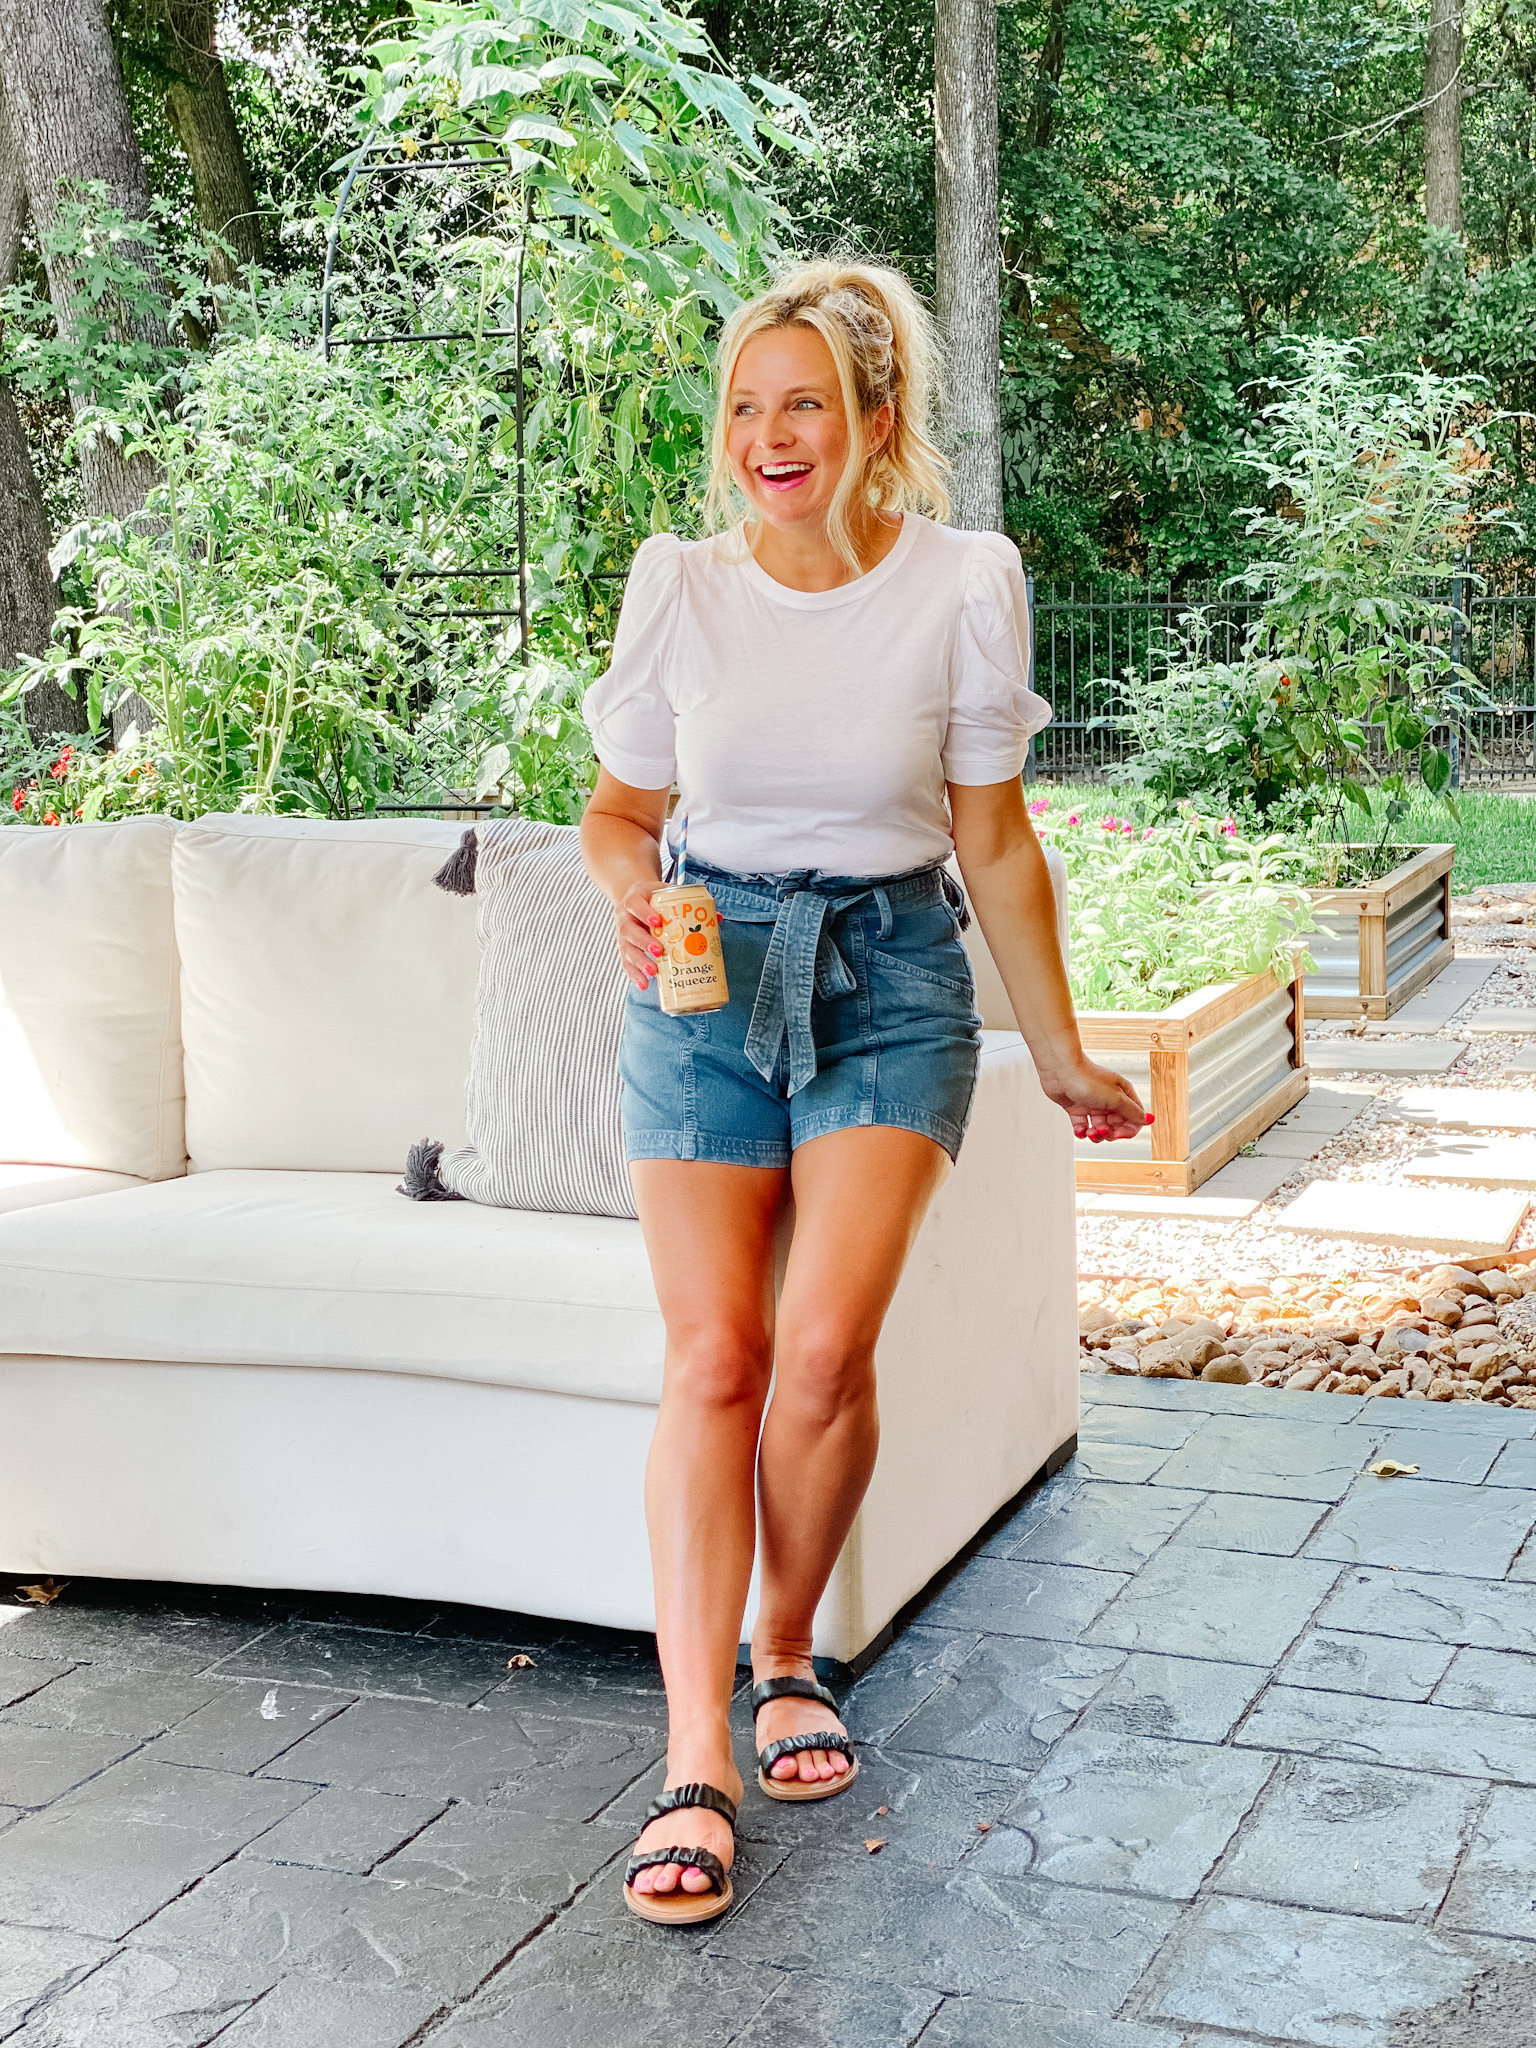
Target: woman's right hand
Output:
[(637, 926)]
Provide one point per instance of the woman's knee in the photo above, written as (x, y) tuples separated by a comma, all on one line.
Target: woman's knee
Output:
[(720, 1366), (825, 1373)]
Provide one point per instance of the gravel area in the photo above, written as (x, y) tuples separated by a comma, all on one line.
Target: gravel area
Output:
[(1498, 923), (1445, 1333)]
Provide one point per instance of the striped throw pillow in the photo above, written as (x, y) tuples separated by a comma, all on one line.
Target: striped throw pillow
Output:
[(542, 1108)]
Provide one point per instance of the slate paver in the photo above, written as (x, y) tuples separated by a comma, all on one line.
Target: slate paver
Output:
[(132, 1637), (935, 1809), (1330, 1980), (808, 2011), (1002, 1596), (246, 1725), (1382, 1667), (1223, 1604), (1435, 1608), (1348, 1838), (38, 1963), (1440, 1453), (519, 1856), (1109, 1528), (984, 2023), (136, 1704), (1125, 1812), (615, 1682), (352, 1660), (1183, 1699), (271, 1918), (1296, 1461), (1417, 1523), (1103, 1424), (1009, 1700), (567, 1770), (1403, 1733), (1515, 1466), (1003, 1937), (1267, 1523), (1495, 1889), (1495, 1681), (583, 1991), (22, 1678), (1129, 1463), (906, 1675), (37, 1764), (1466, 1221), (1037, 1506), (109, 1855), (347, 1831), (1453, 1419), (310, 2012)]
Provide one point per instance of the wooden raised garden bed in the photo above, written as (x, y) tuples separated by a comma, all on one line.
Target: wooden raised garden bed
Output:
[(1215, 1070), (1381, 942)]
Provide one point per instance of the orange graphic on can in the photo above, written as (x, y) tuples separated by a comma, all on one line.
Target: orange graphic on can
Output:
[(690, 975)]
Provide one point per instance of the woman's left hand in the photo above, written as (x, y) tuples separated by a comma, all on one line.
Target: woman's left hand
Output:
[(1101, 1104)]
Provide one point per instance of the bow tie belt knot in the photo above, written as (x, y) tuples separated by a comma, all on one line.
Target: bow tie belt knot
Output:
[(803, 961)]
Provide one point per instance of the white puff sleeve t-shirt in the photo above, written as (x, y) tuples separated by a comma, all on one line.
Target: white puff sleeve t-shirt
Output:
[(817, 729)]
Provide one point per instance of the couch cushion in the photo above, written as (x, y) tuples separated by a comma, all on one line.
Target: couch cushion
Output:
[(327, 991), (29, 1187), (324, 1269), (90, 1042)]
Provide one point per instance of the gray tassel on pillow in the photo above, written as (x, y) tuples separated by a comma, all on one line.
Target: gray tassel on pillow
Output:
[(457, 874), (423, 1182)]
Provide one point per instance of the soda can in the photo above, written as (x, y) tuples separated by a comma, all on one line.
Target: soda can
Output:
[(690, 975)]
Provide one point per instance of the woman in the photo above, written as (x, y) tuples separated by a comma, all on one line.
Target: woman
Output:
[(838, 687)]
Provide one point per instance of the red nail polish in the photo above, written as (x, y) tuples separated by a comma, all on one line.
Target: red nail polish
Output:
[(1151, 1119)]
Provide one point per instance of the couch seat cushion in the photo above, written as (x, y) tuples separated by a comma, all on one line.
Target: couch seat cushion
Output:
[(334, 1269), (29, 1187)]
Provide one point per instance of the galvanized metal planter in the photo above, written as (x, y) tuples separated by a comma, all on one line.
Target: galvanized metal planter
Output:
[(1215, 1070), (1381, 943)]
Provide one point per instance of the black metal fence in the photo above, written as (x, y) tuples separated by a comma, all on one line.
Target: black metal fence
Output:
[(1088, 637)]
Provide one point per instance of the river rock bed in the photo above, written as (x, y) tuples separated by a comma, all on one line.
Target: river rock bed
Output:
[(1441, 1333)]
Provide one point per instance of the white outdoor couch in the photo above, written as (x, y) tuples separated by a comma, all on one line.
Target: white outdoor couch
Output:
[(232, 1353)]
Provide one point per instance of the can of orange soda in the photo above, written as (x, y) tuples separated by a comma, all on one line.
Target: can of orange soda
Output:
[(690, 975)]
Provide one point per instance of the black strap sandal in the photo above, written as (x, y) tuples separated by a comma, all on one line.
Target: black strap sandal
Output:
[(680, 1907), (792, 1745)]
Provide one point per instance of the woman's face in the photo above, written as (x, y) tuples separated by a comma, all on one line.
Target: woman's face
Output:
[(788, 436)]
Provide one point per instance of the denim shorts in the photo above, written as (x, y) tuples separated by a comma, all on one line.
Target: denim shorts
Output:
[(852, 1003)]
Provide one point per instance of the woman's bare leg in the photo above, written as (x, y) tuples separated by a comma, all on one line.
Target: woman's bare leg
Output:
[(860, 1198), (709, 1231)]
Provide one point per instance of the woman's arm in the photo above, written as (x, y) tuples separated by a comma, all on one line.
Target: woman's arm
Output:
[(621, 845), (1010, 890)]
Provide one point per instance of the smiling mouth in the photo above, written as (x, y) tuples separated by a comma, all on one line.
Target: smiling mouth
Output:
[(783, 476)]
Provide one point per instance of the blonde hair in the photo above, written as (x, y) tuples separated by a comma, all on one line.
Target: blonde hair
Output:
[(885, 351)]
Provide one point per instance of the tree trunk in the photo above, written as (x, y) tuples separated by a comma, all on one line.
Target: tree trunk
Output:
[(965, 122), (197, 100), (26, 581), (1442, 116), (71, 121)]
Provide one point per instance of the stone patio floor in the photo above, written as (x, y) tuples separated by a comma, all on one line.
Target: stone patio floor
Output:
[(1216, 1738)]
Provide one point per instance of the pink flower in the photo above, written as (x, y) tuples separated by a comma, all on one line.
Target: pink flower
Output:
[(18, 798), (1039, 807), (1148, 834), (1109, 824), (51, 818), (1129, 831), (1074, 819), (1229, 827)]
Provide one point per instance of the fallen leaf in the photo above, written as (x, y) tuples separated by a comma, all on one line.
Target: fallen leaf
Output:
[(44, 1593), (882, 1811), (874, 1845), (983, 1827), (521, 1663), (1388, 1468)]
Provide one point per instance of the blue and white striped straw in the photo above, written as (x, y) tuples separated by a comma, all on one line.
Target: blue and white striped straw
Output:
[(682, 850)]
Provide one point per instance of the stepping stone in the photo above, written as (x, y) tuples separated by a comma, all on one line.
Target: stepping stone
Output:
[(1433, 1007), (1423, 1219), (1479, 1162), (1500, 1024), (1380, 1056), (1525, 1064), (1469, 1109), (1197, 1208), (1324, 1107), (1253, 1178), (1295, 1142)]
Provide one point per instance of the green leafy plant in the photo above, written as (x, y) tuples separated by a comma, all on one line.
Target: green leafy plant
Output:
[(1158, 911)]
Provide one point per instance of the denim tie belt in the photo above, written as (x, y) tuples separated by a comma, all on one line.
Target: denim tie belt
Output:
[(804, 960)]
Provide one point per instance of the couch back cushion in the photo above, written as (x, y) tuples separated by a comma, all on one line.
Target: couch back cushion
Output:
[(90, 1041), (328, 991)]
